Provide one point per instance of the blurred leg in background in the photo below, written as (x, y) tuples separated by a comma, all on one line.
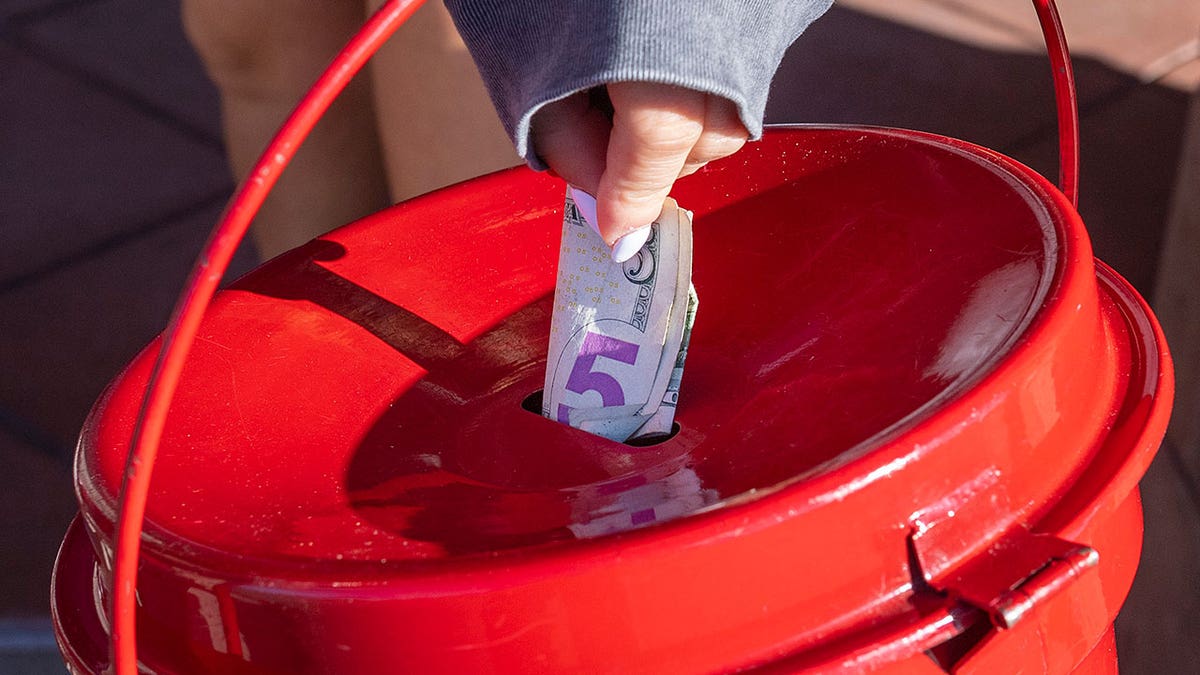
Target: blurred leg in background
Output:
[(418, 120), (263, 55), (1177, 292), (434, 116)]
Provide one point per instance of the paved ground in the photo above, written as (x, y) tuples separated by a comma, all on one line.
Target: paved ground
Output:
[(111, 172)]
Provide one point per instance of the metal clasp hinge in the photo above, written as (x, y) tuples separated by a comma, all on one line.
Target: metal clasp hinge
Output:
[(1013, 576), (1009, 607)]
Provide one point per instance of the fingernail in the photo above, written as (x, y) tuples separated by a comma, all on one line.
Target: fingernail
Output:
[(586, 205), (630, 243)]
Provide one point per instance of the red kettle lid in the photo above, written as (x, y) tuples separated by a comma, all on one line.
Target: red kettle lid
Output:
[(892, 326)]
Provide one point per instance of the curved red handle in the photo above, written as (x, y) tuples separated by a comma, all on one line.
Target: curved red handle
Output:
[(1065, 98), (228, 233), (201, 286)]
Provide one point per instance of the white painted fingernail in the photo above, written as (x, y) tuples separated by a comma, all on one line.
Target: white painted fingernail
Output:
[(586, 205), (629, 244)]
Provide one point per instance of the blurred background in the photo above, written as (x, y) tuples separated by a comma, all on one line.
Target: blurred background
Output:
[(113, 168)]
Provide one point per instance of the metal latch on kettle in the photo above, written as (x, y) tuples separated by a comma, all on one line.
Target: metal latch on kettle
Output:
[(1018, 571), (1013, 576), (1045, 583)]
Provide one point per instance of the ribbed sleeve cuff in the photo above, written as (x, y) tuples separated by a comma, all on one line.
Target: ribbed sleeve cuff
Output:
[(533, 52)]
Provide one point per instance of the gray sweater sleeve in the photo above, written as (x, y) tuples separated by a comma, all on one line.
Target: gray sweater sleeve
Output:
[(533, 52)]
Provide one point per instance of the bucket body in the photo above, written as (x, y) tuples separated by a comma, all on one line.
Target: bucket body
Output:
[(911, 427)]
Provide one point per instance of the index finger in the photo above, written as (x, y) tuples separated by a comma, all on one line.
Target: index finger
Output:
[(655, 127)]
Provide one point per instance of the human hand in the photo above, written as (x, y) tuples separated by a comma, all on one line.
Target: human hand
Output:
[(629, 158)]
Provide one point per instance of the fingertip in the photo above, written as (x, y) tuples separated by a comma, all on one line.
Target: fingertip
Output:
[(626, 245), (629, 244), (617, 216)]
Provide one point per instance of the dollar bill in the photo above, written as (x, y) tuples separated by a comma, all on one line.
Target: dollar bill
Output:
[(619, 331)]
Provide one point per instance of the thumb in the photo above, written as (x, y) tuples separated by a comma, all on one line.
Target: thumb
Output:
[(655, 127)]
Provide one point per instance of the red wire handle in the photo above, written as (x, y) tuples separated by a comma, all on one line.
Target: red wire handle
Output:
[(206, 275), (231, 228), (1064, 98)]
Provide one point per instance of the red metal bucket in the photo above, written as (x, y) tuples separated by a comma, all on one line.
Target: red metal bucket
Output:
[(916, 414)]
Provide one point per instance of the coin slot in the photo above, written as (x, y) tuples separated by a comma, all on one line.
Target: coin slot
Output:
[(533, 404)]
